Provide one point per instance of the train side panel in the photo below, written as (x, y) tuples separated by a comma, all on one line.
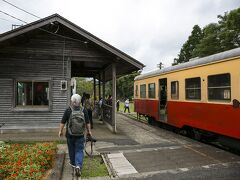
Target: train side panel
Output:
[(147, 107), (217, 118)]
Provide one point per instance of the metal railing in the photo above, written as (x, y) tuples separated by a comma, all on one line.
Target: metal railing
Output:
[(107, 114)]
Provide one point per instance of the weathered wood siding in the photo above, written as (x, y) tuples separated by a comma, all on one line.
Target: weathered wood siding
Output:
[(40, 57), (12, 69)]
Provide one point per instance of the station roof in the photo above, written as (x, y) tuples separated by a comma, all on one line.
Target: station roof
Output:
[(67, 30)]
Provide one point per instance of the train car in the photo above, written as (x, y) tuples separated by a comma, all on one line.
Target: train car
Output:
[(201, 96)]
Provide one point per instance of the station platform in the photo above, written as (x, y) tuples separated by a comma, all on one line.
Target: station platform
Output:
[(141, 151)]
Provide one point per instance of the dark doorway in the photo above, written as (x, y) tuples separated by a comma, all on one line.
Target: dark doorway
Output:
[(163, 99)]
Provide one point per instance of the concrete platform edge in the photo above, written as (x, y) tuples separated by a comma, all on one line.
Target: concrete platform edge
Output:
[(57, 169)]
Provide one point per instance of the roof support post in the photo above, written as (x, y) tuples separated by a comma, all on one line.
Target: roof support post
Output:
[(99, 86), (103, 84), (114, 97), (94, 89), (68, 78)]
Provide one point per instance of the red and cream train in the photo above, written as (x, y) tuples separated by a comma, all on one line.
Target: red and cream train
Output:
[(201, 96)]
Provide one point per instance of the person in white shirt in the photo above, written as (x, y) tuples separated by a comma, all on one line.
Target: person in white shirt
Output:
[(126, 106)]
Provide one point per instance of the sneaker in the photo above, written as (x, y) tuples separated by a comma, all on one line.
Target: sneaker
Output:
[(78, 171), (71, 165)]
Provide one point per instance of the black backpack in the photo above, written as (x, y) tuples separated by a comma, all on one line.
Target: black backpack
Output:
[(76, 123)]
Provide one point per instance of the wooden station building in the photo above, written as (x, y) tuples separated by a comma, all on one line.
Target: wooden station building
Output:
[(37, 62)]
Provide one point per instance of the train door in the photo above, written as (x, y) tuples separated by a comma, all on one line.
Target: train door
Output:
[(163, 99)]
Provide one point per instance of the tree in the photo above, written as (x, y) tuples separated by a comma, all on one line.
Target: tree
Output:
[(189, 46), (210, 43), (214, 38), (84, 85), (124, 86), (230, 29)]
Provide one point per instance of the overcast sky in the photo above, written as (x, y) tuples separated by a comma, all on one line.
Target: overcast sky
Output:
[(150, 31)]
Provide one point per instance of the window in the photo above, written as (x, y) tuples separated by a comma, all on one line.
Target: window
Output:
[(193, 88), (219, 87), (151, 90), (143, 91), (136, 90), (32, 93), (174, 90)]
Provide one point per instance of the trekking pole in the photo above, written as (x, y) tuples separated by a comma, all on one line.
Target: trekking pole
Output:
[(89, 154)]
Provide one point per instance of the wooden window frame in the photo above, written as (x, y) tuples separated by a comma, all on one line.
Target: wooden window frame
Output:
[(32, 107)]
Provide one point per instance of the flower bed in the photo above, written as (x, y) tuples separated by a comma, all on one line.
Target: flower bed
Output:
[(26, 161)]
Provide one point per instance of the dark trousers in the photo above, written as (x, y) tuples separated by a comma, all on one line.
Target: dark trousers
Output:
[(75, 149), (126, 108), (90, 117)]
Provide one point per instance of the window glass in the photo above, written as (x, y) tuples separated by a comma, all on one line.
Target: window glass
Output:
[(136, 90), (24, 93), (32, 93), (143, 91), (174, 90), (219, 87), (193, 88), (151, 90)]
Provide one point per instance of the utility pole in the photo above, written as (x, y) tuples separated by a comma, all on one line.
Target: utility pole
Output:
[(160, 65)]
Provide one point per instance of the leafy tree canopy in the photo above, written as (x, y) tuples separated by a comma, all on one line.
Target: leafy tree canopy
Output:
[(213, 38), (84, 85), (124, 86), (189, 46)]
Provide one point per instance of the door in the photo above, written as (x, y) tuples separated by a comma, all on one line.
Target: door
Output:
[(163, 99)]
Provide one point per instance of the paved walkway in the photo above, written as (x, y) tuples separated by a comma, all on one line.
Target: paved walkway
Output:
[(105, 139), (131, 136)]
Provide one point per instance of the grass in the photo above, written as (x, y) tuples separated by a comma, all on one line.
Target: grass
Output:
[(121, 107), (94, 167), (132, 114)]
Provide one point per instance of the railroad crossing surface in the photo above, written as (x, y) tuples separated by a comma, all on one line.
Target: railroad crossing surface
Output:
[(140, 151)]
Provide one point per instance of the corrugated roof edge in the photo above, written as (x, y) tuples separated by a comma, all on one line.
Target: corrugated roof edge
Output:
[(201, 61)]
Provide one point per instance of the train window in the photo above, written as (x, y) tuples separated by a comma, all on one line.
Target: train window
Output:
[(151, 90), (143, 91), (174, 90), (193, 88), (136, 90), (219, 87)]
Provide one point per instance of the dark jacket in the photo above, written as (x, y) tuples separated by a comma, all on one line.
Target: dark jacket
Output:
[(67, 114)]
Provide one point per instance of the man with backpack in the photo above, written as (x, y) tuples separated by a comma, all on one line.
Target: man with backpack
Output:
[(76, 118)]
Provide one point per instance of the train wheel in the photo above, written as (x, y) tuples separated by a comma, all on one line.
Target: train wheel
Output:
[(150, 120), (194, 134), (197, 134)]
